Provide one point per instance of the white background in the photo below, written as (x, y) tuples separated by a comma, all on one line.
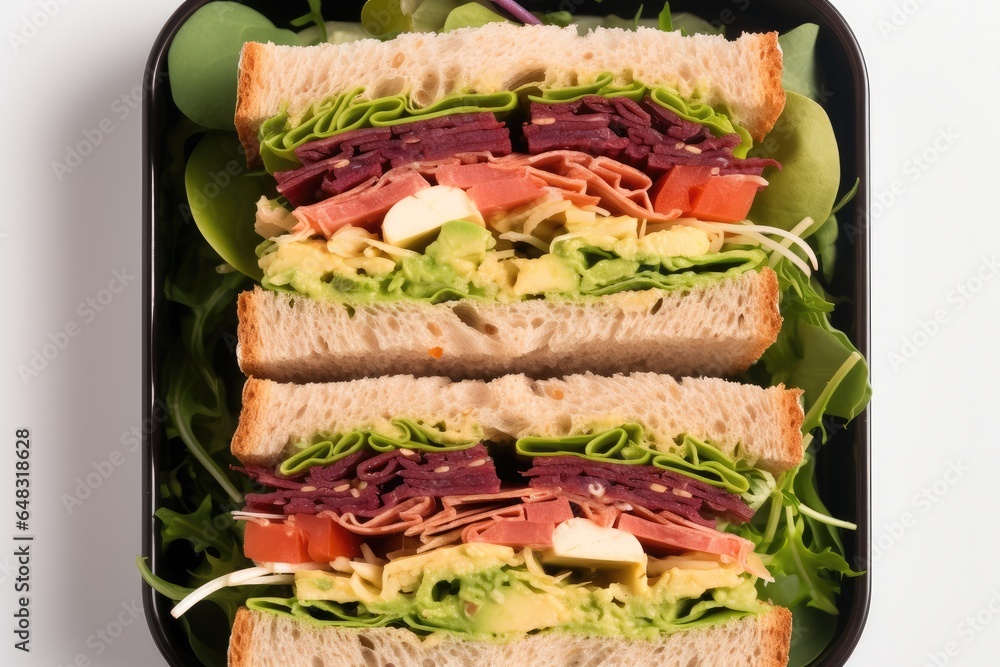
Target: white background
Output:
[(935, 232)]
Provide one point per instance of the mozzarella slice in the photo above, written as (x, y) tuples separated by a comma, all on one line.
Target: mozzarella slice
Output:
[(582, 543), (412, 221)]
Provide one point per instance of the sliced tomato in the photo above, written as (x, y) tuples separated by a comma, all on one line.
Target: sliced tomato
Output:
[(674, 189), (275, 542), (327, 538), (724, 198)]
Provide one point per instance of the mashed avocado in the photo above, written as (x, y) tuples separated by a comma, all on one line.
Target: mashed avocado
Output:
[(463, 263), (487, 591)]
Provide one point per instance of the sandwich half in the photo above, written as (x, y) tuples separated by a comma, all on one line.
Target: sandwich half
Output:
[(425, 521), (471, 204)]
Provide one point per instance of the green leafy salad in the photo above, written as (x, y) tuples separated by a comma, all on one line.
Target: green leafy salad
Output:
[(205, 179)]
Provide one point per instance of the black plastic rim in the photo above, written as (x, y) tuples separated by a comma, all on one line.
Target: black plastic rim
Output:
[(845, 460)]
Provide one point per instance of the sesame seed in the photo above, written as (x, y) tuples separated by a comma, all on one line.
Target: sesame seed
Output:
[(682, 493), (543, 121), (442, 469), (477, 463), (355, 493), (340, 164), (342, 488), (308, 488), (693, 149), (659, 488)]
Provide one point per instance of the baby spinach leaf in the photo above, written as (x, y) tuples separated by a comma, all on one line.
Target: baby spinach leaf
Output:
[(798, 51), (471, 15), (222, 195), (806, 185), (385, 19), (204, 55)]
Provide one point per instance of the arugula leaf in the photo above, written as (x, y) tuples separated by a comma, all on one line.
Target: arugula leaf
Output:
[(195, 394), (560, 18), (314, 17), (814, 356), (666, 23), (806, 572)]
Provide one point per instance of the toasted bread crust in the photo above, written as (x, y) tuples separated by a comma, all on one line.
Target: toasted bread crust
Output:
[(248, 94), (769, 55), (252, 416), (241, 638), (260, 639), (791, 429)]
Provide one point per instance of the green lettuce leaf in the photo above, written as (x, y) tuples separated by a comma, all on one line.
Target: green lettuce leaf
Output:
[(627, 445), (279, 136), (349, 111), (326, 449)]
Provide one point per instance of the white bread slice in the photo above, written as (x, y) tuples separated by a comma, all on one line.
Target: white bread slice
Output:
[(765, 423), (260, 639), (744, 75), (718, 329)]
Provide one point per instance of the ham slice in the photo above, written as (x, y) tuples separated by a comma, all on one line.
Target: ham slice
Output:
[(515, 533), (463, 519), (484, 506), (393, 520), (673, 534), (622, 189), (361, 207), (467, 175), (495, 196), (553, 511)]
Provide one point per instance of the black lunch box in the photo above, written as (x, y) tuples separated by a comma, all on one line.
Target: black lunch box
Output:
[(844, 463)]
